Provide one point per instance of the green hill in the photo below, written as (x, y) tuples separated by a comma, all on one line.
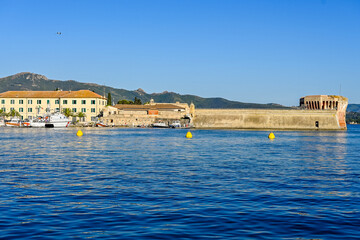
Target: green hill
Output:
[(353, 108), (35, 82)]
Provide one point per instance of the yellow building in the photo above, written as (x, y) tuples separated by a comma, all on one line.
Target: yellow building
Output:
[(31, 104)]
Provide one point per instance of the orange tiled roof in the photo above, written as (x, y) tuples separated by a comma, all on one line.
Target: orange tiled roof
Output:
[(50, 94)]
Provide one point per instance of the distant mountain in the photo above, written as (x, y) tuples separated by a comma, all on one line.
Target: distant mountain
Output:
[(26, 81), (353, 108)]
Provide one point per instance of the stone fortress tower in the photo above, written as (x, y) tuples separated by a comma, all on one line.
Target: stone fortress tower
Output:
[(327, 102)]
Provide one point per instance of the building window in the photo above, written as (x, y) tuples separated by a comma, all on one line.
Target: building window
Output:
[(29, 101), (21, 101), (83, 101), (4, 109), (64, 101), (48, 102), (57, 101), (93, 102), (29, 109), (73, 101), (3, 101), (74, 110), (12, 101), (38, 101), (83, 110), (21, 110), (93, 110), (12, 109)]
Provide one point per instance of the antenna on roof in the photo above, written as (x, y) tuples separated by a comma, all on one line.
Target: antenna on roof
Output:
[(340, 90)]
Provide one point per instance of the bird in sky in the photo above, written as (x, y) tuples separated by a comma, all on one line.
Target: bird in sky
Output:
[(59, 33)]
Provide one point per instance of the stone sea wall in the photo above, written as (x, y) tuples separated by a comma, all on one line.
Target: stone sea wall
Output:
[(267, 119)]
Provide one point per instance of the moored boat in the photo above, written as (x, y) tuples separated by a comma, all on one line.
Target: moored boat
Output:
[(17, 122), (160, 125), (56, 120), (101, 124), (175, 124)]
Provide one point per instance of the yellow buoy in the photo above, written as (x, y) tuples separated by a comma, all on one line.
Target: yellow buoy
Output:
[(189, 135), (271, 136), (79, 133)]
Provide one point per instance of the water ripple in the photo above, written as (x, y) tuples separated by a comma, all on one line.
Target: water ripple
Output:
[(156, 184)]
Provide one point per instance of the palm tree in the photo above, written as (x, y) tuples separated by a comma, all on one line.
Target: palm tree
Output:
[(82, 116), (67, 112), (14, 113)]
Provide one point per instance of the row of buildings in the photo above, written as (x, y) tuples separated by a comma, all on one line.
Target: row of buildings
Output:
[(31, 104)]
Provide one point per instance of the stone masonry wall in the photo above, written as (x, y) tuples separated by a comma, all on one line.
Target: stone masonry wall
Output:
[(267, 119)]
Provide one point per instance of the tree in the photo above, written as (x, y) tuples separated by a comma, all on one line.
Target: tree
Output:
[(67, 112), (124, 101), (109, 100), (137, 101), (81, 115), (13, 113), (2, 113)]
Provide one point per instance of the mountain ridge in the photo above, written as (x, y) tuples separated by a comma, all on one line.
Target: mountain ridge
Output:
[(27, 81)]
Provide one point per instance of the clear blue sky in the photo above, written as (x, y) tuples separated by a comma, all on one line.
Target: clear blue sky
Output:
[(258, 51)]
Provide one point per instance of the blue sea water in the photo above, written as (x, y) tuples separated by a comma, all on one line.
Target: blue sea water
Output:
[(156, 184)]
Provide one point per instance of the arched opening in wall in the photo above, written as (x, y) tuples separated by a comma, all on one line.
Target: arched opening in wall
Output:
[(323, 105), (317, 124)]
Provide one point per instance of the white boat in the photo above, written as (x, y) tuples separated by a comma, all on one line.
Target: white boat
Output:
[(56, 120), (160, 125), (16, 122), (175, 124)]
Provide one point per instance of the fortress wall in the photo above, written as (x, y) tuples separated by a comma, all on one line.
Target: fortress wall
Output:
[(267, 119)]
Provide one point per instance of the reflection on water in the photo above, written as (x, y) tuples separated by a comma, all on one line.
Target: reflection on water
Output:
[(151, 183)]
